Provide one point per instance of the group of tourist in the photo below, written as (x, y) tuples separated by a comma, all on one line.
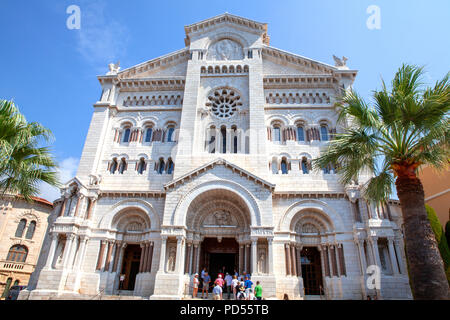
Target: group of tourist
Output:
[(240, 286)]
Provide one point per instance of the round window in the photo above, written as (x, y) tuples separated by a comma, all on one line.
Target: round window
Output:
[(224, 103)]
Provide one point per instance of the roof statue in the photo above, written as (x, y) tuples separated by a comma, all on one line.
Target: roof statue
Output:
[(340, 62), (113, 68)]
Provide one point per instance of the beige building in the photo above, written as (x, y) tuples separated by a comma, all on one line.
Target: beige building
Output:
[(437, 192), (22, 231)]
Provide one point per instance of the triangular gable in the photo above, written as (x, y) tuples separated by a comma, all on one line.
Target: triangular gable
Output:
[(227, 19), (219, 162)]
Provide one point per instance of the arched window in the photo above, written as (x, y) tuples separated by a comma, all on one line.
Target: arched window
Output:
[(113, 166), (17, 253), (284, 166), (126, 135), (304, 165), (142, 166), (30, 230), (212, 140), (7, 287), (161, 166), (122, 166), (148, 134), (170, 134), (170, 166), (300, 134), (223, 132), (324, 132), (21, 228), (276, 133)]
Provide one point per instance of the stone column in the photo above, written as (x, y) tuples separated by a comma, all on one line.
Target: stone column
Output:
[(179, 258), (143, 256), (399, 251), (116, 255), (299, 260), (108, 256), (122, 253), (100, 255), (51, 253), (63, 208), (330, 262), (337, 259), (270, 249), (394, 264), (248, 258), (362, 256), (67, 250), (77, 207), (149, 257), (91, 206), (254, 266), (112, 256), (293, 262), (82, 251), (187, 258), (162, 260), (288, 259), (197, 260), (241, 258), (376, 253), (191, 258)]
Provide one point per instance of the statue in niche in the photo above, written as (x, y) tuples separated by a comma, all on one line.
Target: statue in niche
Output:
[(261, 261), (171, 259), (225, 49), (222, 218)]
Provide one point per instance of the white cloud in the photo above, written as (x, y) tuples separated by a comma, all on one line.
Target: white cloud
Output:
[(67, 170), (101, 39)]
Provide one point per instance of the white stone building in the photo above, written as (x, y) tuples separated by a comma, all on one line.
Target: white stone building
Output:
[(202, 158)]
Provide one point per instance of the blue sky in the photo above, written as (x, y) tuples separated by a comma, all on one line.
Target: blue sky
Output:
[(50, 71)]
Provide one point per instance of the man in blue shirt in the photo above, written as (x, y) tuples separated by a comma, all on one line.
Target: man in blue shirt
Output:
[(217, 292), (248, 286), (206, 281)]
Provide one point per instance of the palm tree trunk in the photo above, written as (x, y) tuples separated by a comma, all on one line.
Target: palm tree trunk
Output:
[(427, 273)]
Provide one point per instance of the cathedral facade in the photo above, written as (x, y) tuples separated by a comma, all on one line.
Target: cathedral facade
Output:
[(201, 158)]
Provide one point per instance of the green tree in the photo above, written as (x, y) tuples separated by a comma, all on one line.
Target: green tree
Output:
[(23, 162), (440, 238), (405, 127)]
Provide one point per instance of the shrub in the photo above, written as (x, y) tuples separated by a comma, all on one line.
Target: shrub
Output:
[(440, 238)]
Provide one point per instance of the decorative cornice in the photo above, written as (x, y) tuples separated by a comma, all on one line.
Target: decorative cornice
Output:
[(194, 173), (309, 194), (299, 81), (133, 194), (174, 83)]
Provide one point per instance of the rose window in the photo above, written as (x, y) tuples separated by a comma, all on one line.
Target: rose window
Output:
[(223, 103)]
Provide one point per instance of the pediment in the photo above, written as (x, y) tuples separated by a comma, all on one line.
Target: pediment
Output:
[(226, 20), (219, 162)]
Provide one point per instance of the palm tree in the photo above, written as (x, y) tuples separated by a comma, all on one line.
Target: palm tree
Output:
[(23, 163), (406, 127)]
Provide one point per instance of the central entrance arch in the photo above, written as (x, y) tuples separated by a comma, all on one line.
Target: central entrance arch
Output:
[(219, 220)]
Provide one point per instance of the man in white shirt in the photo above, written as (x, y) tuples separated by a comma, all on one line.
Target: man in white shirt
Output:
[(228, 280)]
